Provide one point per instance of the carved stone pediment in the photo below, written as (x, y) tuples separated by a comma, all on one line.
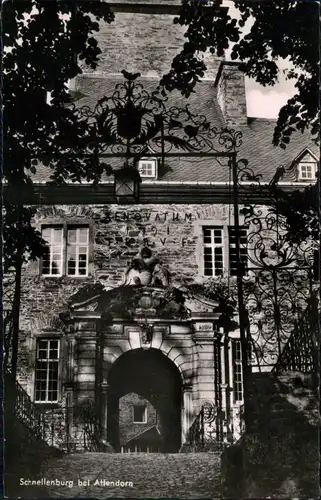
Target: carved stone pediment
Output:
[(200, 304), (143, 301)]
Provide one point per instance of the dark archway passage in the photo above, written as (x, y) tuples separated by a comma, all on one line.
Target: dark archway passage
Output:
[(151, 375)]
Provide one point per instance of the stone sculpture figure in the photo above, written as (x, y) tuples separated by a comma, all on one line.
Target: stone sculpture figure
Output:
[(146, 269)]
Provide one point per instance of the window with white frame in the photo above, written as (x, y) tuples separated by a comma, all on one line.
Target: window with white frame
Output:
[(213, 251), (237, 371), (47, 370), (147, 168), (52, 260), (307, 171), (139, 414), (219, 250), (77, 251), (67, 251)]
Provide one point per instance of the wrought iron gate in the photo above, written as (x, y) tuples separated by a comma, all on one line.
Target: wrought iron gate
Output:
[(279, 279)]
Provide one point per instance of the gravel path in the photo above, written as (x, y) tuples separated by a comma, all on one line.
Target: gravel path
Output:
[(143, 475)]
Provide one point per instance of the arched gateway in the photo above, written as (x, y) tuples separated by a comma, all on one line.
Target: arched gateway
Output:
[(156, 380), (144, 357)]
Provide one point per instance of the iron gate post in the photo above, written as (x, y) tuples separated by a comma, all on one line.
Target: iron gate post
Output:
[(240, 294)]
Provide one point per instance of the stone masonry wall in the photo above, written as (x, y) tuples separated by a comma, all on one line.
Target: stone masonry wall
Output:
[(173, 232), (128, 429), (119, 232), (278, 456), (143, 42), (231, 95)]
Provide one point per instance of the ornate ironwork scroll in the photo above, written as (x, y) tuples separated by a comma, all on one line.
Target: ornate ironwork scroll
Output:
[(133, 122), (278, 280)]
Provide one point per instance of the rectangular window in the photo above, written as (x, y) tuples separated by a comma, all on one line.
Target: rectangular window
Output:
[(77, 251), (139, 414), (232, 250), (307, 171), (213, 251), (67, 251), (147, 168), (47, 366), (53, 258), (219, 250), (237, 371)]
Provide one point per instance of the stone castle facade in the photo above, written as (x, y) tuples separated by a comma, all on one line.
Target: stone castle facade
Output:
[(108, 311)]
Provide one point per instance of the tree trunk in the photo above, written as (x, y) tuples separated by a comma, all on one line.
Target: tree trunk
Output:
[(7, 336)]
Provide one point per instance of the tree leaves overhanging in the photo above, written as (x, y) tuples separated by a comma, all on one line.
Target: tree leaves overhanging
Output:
[(287, 29), (45, 43)]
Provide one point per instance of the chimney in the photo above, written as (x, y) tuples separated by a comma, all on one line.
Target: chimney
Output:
[(230, 88)]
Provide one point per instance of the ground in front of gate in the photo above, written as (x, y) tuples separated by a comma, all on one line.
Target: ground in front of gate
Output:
[(180, 475)]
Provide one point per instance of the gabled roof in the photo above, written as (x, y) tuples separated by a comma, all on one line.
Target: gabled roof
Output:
[(265, 158), (303, 154)]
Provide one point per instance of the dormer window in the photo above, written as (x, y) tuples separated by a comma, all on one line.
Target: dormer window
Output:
[(307, 171), (306, 165), (148, 168)]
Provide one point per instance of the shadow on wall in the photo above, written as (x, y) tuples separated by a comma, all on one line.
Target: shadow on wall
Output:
[(278, 456)]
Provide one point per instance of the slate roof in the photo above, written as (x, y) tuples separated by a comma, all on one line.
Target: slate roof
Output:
[(203, 101), (256, 147)]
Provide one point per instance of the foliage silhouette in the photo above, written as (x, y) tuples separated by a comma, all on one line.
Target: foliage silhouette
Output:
[(280, 29), (286, 29), (301, 211), (44, 45)]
